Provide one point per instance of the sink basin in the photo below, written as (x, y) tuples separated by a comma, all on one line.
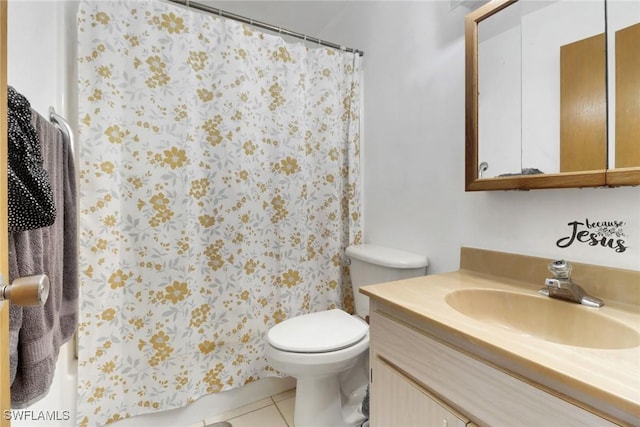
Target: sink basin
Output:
[(552, 320)]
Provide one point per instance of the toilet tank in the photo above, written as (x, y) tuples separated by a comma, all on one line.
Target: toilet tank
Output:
[(370, 264)]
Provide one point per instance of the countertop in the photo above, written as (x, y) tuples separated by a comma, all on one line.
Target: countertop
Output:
[(604, 381)]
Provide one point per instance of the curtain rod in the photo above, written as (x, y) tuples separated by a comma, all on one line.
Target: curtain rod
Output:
[(205, 8)]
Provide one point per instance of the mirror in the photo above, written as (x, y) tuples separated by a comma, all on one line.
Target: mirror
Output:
[(536, 95), (623, 62)]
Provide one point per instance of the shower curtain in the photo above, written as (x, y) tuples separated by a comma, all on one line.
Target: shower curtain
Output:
[(219, 186)]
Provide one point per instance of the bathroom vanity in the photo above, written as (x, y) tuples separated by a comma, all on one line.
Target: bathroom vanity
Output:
[(481, 347)]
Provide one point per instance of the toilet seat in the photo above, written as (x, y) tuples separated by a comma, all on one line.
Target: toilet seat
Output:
[(320, 332)]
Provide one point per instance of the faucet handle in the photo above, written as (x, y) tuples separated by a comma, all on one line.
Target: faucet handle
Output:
[(560, 269), (552, 283)]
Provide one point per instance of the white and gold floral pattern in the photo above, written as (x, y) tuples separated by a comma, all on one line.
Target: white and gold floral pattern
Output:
[(219, 179)]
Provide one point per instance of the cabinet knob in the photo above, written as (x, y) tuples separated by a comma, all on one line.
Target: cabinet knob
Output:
[(26, 291)]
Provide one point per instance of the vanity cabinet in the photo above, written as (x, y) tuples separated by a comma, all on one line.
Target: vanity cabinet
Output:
[(419, 380)]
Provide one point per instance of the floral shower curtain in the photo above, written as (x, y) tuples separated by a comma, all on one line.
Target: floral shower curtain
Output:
[(219, 182)]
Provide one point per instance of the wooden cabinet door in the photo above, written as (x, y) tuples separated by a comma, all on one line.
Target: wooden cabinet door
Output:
[(583, 105), (398, 401), (5, 401), (627, 97)]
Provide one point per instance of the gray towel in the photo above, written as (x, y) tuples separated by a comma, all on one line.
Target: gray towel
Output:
[(36, 333)]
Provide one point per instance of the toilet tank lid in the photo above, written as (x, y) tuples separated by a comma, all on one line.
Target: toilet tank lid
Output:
[(386, 257)]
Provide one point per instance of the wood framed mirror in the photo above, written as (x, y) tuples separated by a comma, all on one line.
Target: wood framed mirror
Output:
[(536, 97)]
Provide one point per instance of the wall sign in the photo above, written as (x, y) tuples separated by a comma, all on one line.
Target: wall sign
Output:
[(608, 234)]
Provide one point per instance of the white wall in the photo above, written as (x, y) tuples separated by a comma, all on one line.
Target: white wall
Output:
[(32, 52), (414, 151), (414, 141)]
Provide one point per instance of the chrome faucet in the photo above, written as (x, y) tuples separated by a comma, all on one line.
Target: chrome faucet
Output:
[(561, 286)]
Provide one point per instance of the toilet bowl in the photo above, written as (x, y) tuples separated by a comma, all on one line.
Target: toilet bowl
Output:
[(315, 349), (327, 351)]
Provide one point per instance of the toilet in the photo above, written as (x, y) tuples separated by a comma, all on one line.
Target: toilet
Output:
[(327, 351)]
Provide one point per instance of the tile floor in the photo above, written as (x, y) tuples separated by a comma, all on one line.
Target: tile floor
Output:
[(274, 411)]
